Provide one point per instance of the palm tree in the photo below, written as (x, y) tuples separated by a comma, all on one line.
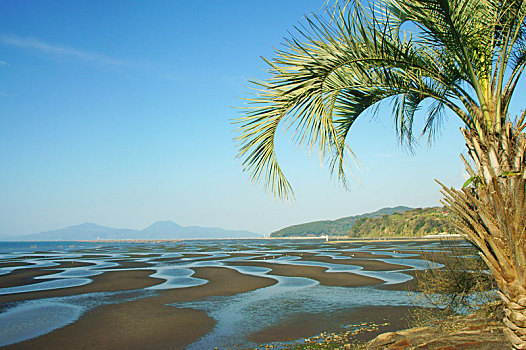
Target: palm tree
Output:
[(450, 56)]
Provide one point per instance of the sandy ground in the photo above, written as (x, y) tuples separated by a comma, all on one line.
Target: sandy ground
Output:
[(438, 257), (90, 256), (204, 257), (181, 257), (365, 255), (408, 286), (340, 279), (141, 256), (139, 324), (23, 277), (222, 282), (14, 264), (307, 325), (128, 264), (70, 264), (367, 265), (110, 281), (147, 323)]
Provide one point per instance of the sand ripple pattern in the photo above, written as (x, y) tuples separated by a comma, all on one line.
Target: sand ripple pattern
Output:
[(68, 279)]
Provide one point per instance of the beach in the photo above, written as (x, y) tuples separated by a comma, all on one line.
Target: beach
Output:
[(176, 297)]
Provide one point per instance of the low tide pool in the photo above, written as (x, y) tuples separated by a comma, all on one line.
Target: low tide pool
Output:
[(35, 319), (234, 293)]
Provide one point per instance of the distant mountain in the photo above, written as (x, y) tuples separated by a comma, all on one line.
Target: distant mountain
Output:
[(86, 231), (339, 227), (162, 229), (412, 223), (158, 230)]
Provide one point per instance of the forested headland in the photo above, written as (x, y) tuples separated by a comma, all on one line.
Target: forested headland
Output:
[(387, 222)]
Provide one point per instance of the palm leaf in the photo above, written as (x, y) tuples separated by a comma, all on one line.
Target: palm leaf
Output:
[(353, 58)]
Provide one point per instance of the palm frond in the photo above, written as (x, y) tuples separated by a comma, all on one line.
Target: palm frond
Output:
[(341, 64)]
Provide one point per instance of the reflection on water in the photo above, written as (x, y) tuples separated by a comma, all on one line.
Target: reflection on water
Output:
[(47, 285), (236, 316), (240, 315), (176, 278), (34, 319)]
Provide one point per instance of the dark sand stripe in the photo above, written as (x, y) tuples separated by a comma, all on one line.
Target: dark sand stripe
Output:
[(149, 323), (222, 282), (407, 286), (111, 281), (341, 279), (304, 325), (90, 256), (13, 263), (128, 264), (23, 277), (365, 255), (70, 264), (367, 265), (140, 324)]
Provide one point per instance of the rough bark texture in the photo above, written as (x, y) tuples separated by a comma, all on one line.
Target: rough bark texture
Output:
[(491, 213), (467, 333)]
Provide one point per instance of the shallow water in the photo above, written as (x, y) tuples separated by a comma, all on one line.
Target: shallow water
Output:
[(237, 316), (176, 278), (240, 315), (46, 285), (34, 319)]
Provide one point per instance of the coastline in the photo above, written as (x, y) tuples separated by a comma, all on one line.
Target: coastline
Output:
[(322, 286), (132, 324), (328, 239)]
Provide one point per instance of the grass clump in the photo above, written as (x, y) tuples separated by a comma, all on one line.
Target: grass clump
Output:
[(345, 340), (462, 286)]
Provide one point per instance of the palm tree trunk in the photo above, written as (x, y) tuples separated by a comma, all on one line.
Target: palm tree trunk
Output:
[(491, 213)]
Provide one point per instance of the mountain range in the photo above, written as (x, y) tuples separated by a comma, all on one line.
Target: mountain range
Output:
[(158, 230), (416, 222), (339, 227)]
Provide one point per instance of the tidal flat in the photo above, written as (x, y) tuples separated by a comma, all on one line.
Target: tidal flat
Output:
[(229, 294)]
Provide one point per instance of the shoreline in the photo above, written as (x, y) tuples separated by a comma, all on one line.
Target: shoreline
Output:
[(331, 239), (119, 321), (141, 319)]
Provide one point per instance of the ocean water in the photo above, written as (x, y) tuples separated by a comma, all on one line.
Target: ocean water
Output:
[(236, 316), (59, 246)]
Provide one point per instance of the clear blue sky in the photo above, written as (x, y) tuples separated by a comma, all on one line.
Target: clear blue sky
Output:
[(118, 113)]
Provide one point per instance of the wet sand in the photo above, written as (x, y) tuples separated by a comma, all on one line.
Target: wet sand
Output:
[(23, 277), (179, 258), (152, 323), (70, 264), (141, 256), (149, 323), (222, 282), (194, 255), (365, 255), (90, 256), (340, 279), (438, 257), (14, 264), (407, 286), (128, 264), (110, 281), (307, 325), (140, 324), (32, 257), (206, 257), (367, 265)]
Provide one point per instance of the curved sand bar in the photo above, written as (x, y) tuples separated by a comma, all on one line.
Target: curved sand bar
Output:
[(149, 323), (340, 279)]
